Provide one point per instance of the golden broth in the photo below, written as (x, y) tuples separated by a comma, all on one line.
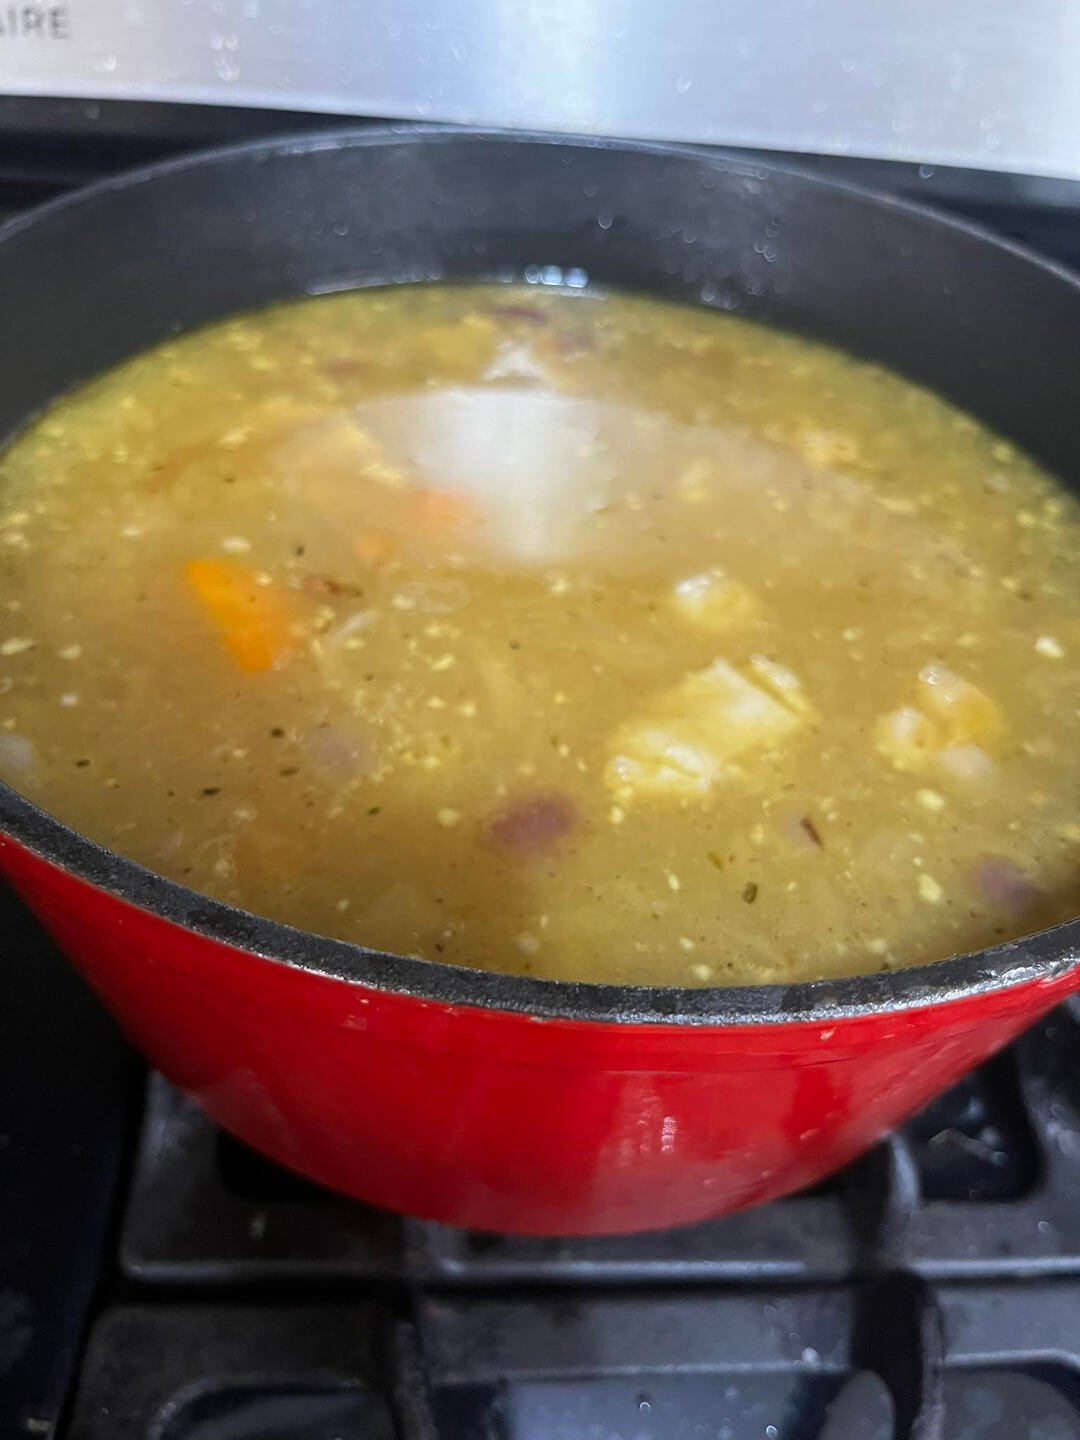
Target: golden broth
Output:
[(590, 637)]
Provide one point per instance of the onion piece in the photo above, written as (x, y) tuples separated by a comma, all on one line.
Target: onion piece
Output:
[(965, 762), (533, 826), (18, 756), (1005, 885)]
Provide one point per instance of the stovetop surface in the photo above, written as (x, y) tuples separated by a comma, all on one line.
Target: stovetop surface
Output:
[(159, 1281)]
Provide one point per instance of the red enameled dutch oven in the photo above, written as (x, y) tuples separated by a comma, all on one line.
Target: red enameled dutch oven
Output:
[(488, 1100)]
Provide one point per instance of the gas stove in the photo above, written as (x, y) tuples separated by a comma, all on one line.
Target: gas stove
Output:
[(159, 1281)]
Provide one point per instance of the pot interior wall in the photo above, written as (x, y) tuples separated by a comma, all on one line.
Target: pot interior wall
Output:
[(135, 261)]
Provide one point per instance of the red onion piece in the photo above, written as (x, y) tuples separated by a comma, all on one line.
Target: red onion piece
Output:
[(533, 826)]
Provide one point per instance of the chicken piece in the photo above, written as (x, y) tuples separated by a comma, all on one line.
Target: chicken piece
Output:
[(713, 601), (686, 741), (954, 727)]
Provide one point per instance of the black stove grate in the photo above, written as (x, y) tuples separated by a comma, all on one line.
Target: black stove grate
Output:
[(159, 1281), (181, 1372), (947, 1363)]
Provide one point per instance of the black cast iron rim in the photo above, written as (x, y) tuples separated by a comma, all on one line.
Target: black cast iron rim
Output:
[(1044, 956)]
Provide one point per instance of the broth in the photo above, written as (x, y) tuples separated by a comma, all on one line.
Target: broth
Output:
[(584, 636)]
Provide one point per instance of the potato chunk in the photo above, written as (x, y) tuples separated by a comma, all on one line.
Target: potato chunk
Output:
[(784, 684), (713, 601), (953, 728), (907, 737), (685, 742), (965, 715)]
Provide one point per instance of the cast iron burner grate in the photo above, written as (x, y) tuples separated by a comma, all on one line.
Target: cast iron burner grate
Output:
[(947, 1363)]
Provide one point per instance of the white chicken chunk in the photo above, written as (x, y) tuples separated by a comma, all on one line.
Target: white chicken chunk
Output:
[(687, 740)]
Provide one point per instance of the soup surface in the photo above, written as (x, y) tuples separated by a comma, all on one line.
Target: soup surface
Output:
[(585, 636)]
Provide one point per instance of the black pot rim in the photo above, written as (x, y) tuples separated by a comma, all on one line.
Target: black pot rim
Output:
[(1043, 956)]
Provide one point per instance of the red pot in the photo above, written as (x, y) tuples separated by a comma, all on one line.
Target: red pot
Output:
[(487, 1100)]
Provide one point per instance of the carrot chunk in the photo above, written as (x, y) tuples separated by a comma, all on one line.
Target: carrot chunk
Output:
[(253, 620), (443, 513), (373, 547)]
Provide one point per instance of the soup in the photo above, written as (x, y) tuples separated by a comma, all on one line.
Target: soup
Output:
[(583, 636)]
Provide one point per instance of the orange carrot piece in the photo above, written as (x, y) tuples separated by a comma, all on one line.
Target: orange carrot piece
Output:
[(372, 547), (252, 619), (441, 512)]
